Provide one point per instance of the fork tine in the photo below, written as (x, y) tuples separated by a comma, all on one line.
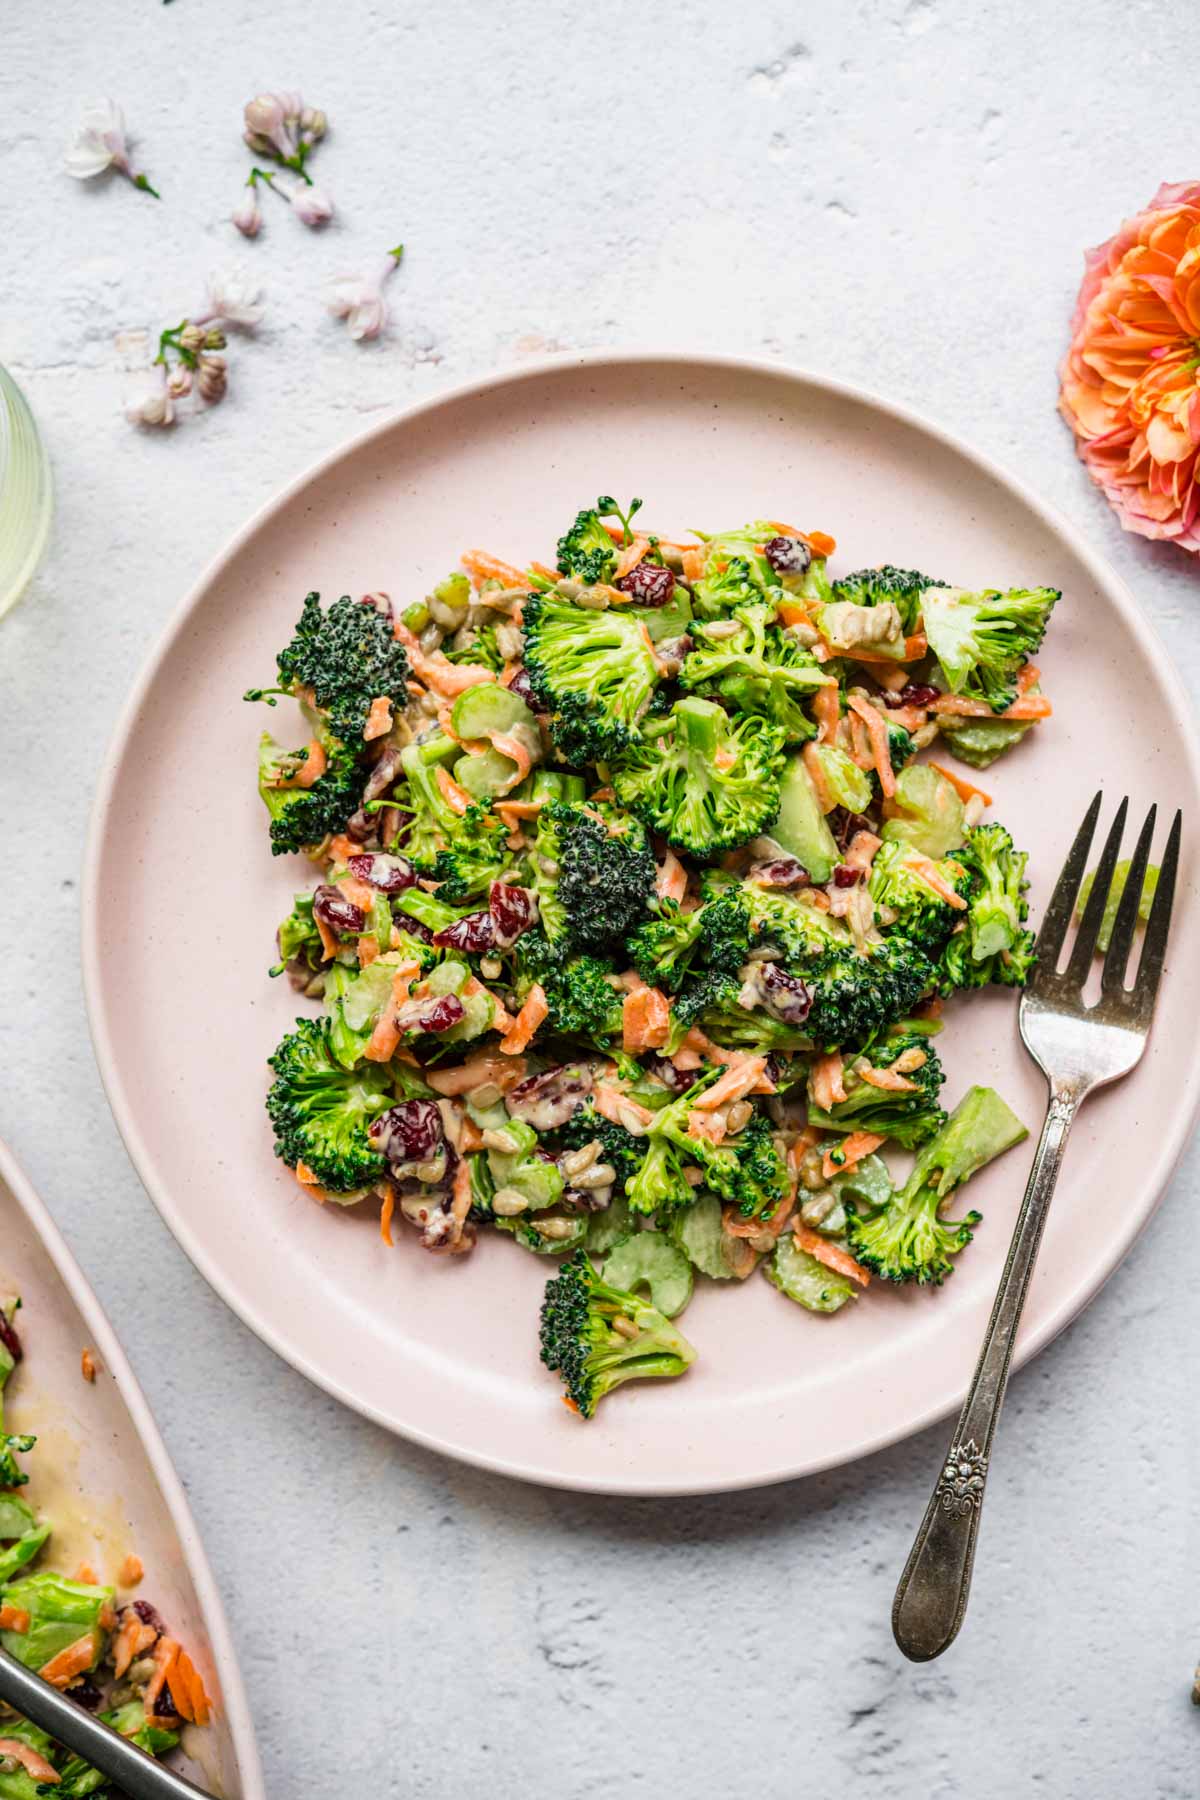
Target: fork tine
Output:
[(1127, 912), (1154, 948), (1084, 947), (1062, 902)]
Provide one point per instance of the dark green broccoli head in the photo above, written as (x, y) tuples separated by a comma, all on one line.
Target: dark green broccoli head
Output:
[(596, 1337), (304, 816), (909, 1117), (875, 587), (906, 906), (745, 1169), (958, 971), (707, 782), (587, 552), (606, 873), (346, 657), (321, 1112), (713, 1000), (908, 1240), (594, 673), (994, 945), (982, 640), (715, 937), (728, 582), (477, 855), (854, 996), (579, 991)]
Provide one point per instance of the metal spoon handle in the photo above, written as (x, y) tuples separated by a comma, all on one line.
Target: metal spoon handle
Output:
[(138, 1774), (931, 1598)]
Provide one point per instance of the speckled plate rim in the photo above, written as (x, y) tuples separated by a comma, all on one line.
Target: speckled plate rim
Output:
[(1072, 1300), (115, 1362)]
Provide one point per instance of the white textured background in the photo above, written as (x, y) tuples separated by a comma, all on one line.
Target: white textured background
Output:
[(897, 193)]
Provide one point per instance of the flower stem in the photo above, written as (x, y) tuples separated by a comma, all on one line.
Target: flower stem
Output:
[(142, 182)]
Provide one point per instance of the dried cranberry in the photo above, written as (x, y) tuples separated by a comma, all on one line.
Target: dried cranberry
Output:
[(781, 872), (9, 1338), (164, 1705), (774, 1068), (650, 584), (390, 874), (513, 910), (913, 693), (360, 826), (844, 824), (664, 1070), (85, 1693), (548, 1100), (475, 932), (150, 1615), (379, 603), (520, 685), (333, 909), (844, 876), (416, 928), (409, 1133), (440, 1014), (787, 555), (787, 996)]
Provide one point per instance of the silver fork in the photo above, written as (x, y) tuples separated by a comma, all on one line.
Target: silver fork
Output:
[(1078, 1048)]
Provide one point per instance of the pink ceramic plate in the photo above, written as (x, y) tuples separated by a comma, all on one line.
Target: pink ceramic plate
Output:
[(101, 1473), (182, 897)]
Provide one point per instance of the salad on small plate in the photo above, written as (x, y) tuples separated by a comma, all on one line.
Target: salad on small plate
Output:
[(649, 878)]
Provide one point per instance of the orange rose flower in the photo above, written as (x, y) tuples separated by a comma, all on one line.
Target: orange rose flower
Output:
[(1131, 378)]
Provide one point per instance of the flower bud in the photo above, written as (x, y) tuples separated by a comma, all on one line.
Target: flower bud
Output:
[(192, 338), (314, 124), (150, 403), (247, 214), (214, 338), (260, 145), (312, 206), (211, 379), (179, 381)]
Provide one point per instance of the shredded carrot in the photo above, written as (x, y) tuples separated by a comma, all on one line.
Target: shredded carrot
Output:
[(368, 949), (517, 810), (821, 542), (86, 1573), (1028, 677), (932, 876), (379, 718), (342, 848), (860, 750), (632, 555), (827, 711), (481, 567), (310, 770), (877, 731), (888, 1079), (738, 1080), (812, 763), (87, 1366), (309, 1183), (914, 648), (710, 1127), (611, 1103), (861, 853), (1028, 707), (185, 1675), (13, 1618), (739, 1256), (825, 1080), (893, 679), (385, 1218), (508, 744), (671, 880), (130, 1641), (910, 717), (571, 1405), (532, 1014), (437, 671), (359, 893), (75, 1660), (131, 1571), (456, 797), (965, 790), (381, 1045), (329, 940), (693, 560), (470, 1136), (832, 1255), (851, 1150), (645, 1020), (33, 1763), (486, 1066)]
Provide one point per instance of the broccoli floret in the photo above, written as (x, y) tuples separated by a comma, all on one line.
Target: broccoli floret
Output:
[(907, 906), (856, 996), (715, 936), (344, 658), (659, 1185), (321, 1111), (595, 1337), (761, 669), (707, 782), (579, 992), (982, 640), (594, 672), (482, 650), (545, 860), (902, 747), (606, 873), (713, 1001), (904, 588), (432, 823), (745, 1169), (993, 944), (587, 551), (907, 1240), (298, 936), (477, 856), (303, 816), (909, 1117)]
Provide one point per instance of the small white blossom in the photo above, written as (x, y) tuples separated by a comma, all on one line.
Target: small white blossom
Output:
[(233, 298), (150, 402), (311, 205), (179, 382), (247, 214), (271, 121), (359, 298), (99, 143)]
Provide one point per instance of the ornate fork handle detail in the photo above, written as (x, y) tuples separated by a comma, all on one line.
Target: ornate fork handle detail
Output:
[(932, 1596)]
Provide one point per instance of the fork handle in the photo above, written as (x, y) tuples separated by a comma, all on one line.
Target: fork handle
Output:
[(932, 1596)]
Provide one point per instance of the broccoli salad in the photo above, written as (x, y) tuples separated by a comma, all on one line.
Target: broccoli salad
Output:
[(110, 1652), (637, 913)]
